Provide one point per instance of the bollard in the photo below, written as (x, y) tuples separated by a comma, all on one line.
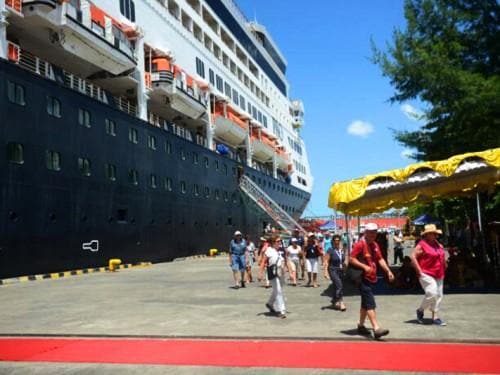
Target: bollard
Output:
[(212, 252), (113, 263)]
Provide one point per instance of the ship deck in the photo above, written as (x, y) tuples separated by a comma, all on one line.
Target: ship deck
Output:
[(192, 301)]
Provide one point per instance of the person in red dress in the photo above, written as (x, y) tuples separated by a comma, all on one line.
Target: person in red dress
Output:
[(365, 256)]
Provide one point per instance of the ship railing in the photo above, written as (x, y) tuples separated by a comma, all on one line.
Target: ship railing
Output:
[(162, 76), (268, 205), (84, 87), (35, 65), (125, 105)]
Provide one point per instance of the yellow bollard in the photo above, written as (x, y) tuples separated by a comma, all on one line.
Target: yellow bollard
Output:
[(212, 252), (113, 263)]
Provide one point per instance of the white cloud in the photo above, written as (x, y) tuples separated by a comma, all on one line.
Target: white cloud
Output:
[(406, 153), (411, 112), (360, 128)]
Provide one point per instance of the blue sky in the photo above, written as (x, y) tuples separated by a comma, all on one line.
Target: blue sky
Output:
[(327, 46)]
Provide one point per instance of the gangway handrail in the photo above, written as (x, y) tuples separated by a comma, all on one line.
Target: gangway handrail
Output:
[(266, 203)]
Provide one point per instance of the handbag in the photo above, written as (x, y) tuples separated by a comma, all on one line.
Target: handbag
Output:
[(272, 271)]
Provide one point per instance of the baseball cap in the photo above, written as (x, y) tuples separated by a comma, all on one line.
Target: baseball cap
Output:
[(293, 239), (371, 226), (237, 233)]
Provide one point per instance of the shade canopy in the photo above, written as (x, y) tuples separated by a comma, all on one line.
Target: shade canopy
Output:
[(458, 175), (329, 225), (425, 219)]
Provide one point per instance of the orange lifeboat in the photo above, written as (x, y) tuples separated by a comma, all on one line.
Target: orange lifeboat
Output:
[(228, 124)]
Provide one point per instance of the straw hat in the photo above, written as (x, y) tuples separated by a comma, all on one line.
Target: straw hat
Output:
[(431, 228)]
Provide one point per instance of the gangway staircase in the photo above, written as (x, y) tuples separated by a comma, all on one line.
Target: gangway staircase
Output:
[(269, 206)]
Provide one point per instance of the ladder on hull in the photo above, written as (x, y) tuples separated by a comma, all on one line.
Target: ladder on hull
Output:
[(269, 206)]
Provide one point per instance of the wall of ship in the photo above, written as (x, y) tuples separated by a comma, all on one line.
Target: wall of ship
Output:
[(47, 216)]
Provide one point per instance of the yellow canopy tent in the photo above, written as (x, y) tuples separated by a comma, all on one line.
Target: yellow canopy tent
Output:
[(459, 175)]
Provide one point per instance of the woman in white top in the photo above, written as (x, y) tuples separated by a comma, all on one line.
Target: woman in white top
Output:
[(274, 263), (294, 251)]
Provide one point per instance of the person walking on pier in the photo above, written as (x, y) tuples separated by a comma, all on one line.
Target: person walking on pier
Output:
[(428, 258), (398, 247), (312, 253), (273, 263), (334, 263), (365, 256), (237, 261), (250, 259), (293, 251)]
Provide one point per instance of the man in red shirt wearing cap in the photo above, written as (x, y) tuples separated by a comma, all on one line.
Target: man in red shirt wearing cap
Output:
[(365, 255)]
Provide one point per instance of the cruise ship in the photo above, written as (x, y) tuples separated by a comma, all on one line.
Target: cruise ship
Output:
[(129, 126)]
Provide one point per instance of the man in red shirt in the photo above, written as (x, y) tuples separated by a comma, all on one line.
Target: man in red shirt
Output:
[(365, 255)]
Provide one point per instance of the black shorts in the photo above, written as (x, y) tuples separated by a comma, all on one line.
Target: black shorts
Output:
[(367, 297)]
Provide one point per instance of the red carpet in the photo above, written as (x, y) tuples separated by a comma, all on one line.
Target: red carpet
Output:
[(476, 358)]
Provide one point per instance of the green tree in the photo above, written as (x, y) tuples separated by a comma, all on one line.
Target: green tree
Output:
[(449, 58)]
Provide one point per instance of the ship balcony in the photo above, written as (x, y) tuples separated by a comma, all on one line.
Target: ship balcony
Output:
[(262, 149), (231, 129), (89, 40), (187, 99)]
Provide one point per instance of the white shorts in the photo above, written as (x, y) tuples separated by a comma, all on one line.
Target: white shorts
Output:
[(312, 265)]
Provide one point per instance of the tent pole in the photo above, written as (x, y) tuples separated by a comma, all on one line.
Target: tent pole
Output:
[(346, 217), (480, 224), (478, 202)]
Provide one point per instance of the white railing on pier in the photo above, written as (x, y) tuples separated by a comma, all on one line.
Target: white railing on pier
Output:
[(268, 205)]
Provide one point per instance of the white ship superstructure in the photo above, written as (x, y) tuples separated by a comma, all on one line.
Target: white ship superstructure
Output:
[(198, 63)]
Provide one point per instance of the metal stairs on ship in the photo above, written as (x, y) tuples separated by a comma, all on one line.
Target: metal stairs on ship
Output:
[(268, 205)]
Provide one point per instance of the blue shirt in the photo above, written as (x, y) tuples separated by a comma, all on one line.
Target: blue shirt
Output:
[(327, 244), (238, 248)]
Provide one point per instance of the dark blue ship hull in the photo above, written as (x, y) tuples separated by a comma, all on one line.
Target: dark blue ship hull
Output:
[(47, 216)]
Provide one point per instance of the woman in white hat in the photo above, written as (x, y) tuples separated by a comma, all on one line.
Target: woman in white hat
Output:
[(428, 258)]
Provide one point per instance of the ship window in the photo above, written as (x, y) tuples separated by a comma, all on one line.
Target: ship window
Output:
[(133, 176), (233, 197), (227, 89), (53, 107), (224, 168), (133, 135), (211, 76), (225, 195), (216, 165), (53, 160), (200, 68), (15, 93), (110, 171), (110, 127), (219, 83), (84, 166), (195, 158), (15, 153), (167, 184), (207, 192), (205, 161), (183, 187), (242, 102), (127, 8), (84, 117), (183, 154), (152, 181), (151, 142), (264, 121), (196, 190), (217, 195), (168, 147)]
